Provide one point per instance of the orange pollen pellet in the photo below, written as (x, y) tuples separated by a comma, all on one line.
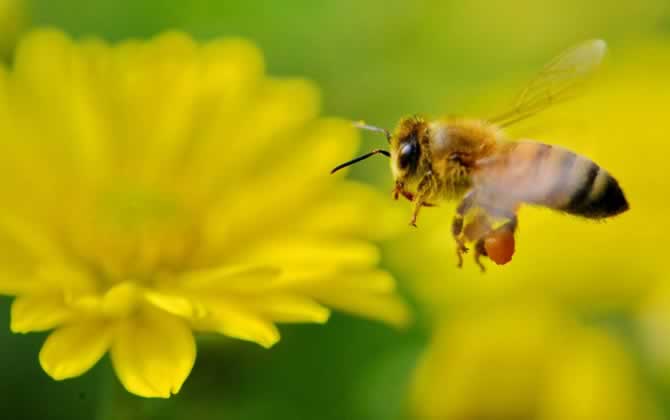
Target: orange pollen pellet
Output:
[(500, 246)]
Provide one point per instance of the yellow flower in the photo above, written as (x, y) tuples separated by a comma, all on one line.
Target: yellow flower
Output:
[(153, 189), (619, 122), (13, 20), (654, 329), (520, 362)]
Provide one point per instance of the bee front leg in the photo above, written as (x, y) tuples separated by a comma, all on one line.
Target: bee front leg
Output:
[(422, 192), (415, 212), (398, 190)]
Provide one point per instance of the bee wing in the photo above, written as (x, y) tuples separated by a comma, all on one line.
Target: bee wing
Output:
[(495, 191), (529, 172), (557, 82)]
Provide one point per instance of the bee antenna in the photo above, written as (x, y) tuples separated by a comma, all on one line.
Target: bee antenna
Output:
[(360, 158), (362, 125)]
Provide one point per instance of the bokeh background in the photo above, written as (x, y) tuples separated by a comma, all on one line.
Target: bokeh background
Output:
[(576, 327)]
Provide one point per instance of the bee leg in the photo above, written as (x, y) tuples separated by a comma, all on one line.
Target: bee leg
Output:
[(460, 250), (397, 190), (422, 192), (457, 226), (415, 213), (408, 195), (479, 251), (510, 225), (417, 206), (456, 229)]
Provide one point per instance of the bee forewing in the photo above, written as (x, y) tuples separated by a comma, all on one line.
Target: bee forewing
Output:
[(558, 81), (530, 172), (545, 175)]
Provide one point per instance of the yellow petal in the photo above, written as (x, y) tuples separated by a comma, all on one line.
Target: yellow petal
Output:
[(288, 308), (121, 300), (320, 282), (234, 278), (232, 219), (31, 240), (373, 281), (370, 294), (170, 78), (20, 248), (22, 245), (256, 126), (153, 354), (306, 252), (39, 313), (13, 284), (229, 319), (88, 123), (40, 63), (231, 69), (387, 308), (72, 350), (357, 210), (266, 122), (175, 304)]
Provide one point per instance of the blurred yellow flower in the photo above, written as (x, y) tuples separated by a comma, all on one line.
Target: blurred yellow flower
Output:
[(152, 189), (13, 20), (654, 329), (618, 123), (520, 362)]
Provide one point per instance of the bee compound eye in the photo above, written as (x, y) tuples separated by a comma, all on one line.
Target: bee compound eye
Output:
[(408, 155)]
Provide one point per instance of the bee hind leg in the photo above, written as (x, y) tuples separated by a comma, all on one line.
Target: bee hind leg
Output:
[(456, 229), (480, 250), (457, 226)]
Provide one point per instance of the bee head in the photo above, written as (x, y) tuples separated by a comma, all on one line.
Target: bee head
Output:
[(406, 149)]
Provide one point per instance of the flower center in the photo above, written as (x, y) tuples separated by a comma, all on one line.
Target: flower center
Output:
[(133, 233)]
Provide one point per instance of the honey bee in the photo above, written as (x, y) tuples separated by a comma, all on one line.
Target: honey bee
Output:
[(473, 161)]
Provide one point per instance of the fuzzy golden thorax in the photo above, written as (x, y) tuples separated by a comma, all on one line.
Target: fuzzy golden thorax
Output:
[(456, 146), (444, 150)]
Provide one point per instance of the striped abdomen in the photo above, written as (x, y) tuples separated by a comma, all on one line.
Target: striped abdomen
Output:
[(554, 177)]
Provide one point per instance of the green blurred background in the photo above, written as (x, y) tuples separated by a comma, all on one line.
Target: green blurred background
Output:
[(374, 60)]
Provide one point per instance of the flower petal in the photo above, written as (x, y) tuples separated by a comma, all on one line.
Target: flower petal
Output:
[(305, 252), (231, 279), (176, 305), (72, 350), (39, 312), (289, 308), (388, 308), (370, 294), (232, 219), (352, 209), (172, 58), (228, 318), (258, 124), (153, 354), (13, 283), (32, 242)]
